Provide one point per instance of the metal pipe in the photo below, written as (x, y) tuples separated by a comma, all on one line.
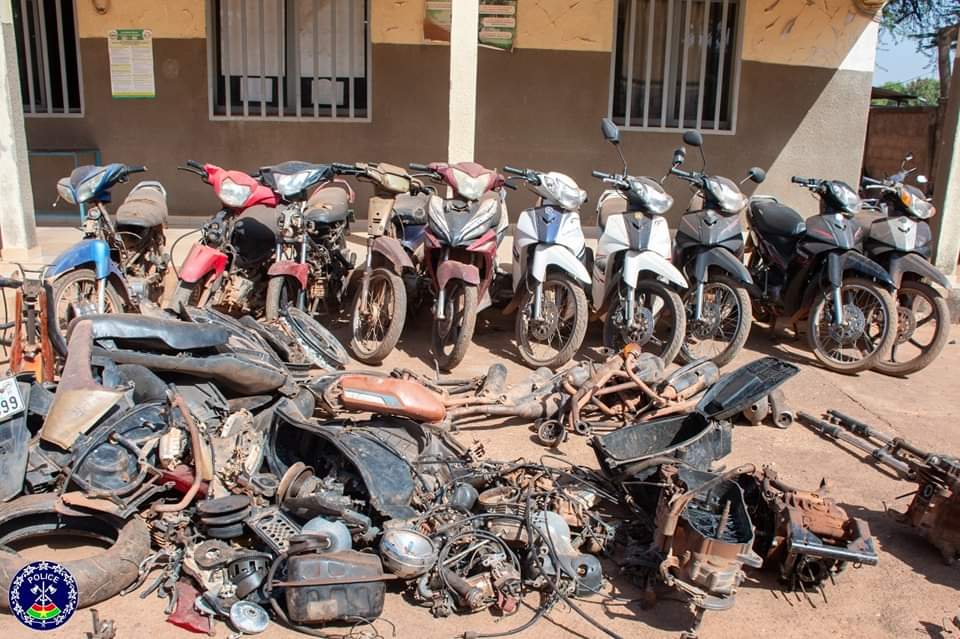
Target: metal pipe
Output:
[(177, 402), (838, 305)]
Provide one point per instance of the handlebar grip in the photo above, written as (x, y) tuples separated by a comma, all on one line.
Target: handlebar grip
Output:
[(514, 170), (340, 166), (136, 169), (870, 180), (9, 282), (512, 187), (600, 174), (796, 179), (418, 167), (194, 164)]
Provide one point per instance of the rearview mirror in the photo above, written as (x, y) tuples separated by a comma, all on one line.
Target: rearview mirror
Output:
[(757, 174), (922, 179), (611, 133), (679, 156), (693, 138)]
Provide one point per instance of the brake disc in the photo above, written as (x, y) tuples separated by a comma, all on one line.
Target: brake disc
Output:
[(906, 324), (854, 324), (546, 326)]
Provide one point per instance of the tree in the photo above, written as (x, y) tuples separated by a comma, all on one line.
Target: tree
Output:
[(934, 26), (927, 90)]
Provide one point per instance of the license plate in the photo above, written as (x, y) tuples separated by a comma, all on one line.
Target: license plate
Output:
[(11, 401)]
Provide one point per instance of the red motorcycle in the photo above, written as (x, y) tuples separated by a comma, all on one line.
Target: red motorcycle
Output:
[(460, 251), (227, 268)]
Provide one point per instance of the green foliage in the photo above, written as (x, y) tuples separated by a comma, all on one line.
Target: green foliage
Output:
[(926, 89), (920, 19)]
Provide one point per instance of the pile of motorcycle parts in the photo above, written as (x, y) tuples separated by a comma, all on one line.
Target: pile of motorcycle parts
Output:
[(935, 507)]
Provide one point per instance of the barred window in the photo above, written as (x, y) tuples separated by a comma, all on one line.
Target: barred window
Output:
[(676, 64), (289, 59), (48, 57)]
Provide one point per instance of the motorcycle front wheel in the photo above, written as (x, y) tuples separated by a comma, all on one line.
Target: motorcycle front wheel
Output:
[(923, 328), (867, 334), (555, 338), (189, 294), (376, 331), (659, 321), (724, 324), (75, 295), (452, 335), (282, 291)]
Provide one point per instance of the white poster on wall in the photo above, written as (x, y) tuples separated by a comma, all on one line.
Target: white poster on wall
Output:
[(131, 63)]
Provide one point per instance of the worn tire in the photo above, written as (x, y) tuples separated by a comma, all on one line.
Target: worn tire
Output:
[(398, 316), (611, 334), (188, 294), (58, 332), (886, 341), (743, 327), (581, 311), (447, 361), (275, 292), (942, 334), (100, 576)]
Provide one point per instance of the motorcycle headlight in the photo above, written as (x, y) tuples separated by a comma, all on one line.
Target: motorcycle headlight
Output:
[(845, 197), (233, 194), (65, 191), (470, 187), (88, 187), (651, 195), (916, 203), (726, 194), (563, 191), (288, 185)]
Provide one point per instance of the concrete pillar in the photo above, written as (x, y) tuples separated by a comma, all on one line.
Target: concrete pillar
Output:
[(17, 225), (947, 190), (463, 80)]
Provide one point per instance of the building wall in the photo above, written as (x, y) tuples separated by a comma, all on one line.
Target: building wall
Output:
[(804, 94), (892, 133)]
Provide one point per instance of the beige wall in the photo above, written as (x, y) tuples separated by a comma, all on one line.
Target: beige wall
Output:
[(165, 18)]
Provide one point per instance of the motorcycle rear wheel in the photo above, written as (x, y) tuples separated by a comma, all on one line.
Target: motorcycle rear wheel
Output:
[(874, 305), (374, 337), (450, 348), (665, 337), (908, 295), (723, 289), (575, 303)]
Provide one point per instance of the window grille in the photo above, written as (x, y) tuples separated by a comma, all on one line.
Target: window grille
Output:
[(48, 57)]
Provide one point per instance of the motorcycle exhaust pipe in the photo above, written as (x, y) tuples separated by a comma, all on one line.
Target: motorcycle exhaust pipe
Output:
[(838, 305)]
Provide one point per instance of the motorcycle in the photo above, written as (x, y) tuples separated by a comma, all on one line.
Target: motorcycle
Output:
[(550, 276), (311, 262), (709, 250), (812, 271), (460, 251), (634, 283), (227, 269), (118, 264), (396, 226), (900, 240)]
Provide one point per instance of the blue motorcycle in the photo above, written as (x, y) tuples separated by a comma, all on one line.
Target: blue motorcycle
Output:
[(118, 265)]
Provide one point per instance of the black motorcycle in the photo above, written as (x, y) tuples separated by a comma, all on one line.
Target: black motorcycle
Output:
[(708, 248), (812, 271), (899, 238)]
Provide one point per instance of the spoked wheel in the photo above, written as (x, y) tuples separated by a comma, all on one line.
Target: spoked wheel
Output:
[(724, 324), (867, 333), (282, 291), (556, 337), (75, 295), (658, 326), (319, 343), (376, 331), (923, 328), (452, 335)]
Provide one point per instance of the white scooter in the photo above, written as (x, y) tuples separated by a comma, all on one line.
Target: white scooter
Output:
[(634, 283), (550, 276)]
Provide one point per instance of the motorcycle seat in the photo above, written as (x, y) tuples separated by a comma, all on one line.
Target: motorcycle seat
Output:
[(611, 206), (156, 332), (769, 216), (411, 209), (328, 205), (145, 206)]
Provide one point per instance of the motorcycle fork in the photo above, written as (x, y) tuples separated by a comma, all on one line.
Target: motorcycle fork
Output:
[(629, 307), (838, 305), (698, 301), (365, 281), (302, 294), (102, 295), (537, 302), (835, 274), (441, 291)]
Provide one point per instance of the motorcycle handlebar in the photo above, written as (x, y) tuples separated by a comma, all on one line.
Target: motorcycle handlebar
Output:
[(9, 282), (419, 167), (796, 179), (194, 164), (514, 170), (600, 175), (136, 169), (341, 167)]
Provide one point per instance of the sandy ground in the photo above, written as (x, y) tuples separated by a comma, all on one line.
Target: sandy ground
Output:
[(912, 593)]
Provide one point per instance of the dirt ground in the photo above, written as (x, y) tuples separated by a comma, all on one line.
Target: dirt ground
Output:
[(911, 593)]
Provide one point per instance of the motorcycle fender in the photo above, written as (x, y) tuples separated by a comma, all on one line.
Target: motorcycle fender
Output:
[(89, 251), (635, 262), (392, 250), (860, 263), (722, 259), (548, 255), (451, 270), (201, 261), (295, 270), (390, 396), (913, 263)]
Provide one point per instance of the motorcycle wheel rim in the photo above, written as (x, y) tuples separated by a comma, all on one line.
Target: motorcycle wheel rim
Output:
[(721, 302), (853, 348)]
